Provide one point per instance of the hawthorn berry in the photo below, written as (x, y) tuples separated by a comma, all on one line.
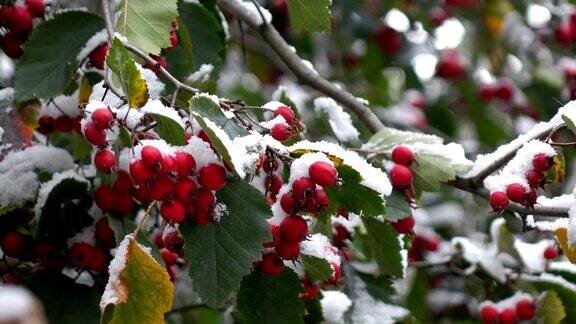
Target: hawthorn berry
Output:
[(489, 314), (102, 118), (35, 7), (20, 21), (487, 92), (212, 176), (322, 173), (272, 264), (5, 14), (310, 290), (105, 161), (185, 189), (271, 165), (94, 135), (526, 309), (98, 260), (403, 155), (303, 188), (401, 177), (104, 234), (281, 132), (50, 257), (98, 56), (161, 189), (173, 39), (169, 166), (105, 197), (11, 45), (63, 124), (123, 182), (564, 33), (151, 156), (288, 203), (318, 202), (79, 254), (288, 250), (142, 193), (13, 244), (432, 244), (169, 257), (45, 125), (293, 229), (203, 217), (516, 193), (388, 39), (123, 203), (498, 201), (551, 252), (339, 235), (504, 91), (542, 162), (534, 178), (205, 199), (173, 241), (507, 316), (173, 211), (450, 66), (140, 173), (404, 225), (461, 3), (185, 163), (286, 112)]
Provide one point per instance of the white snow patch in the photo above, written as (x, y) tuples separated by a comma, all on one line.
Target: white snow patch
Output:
[(319, 245), (572, 226), (485, 255), (85, 236), (368, 310), (47, 187), (202, 75), (96, 40), (532, 254), (549, 226), (61, 105), (254, 12), (18, 305), (334, 305), (157, 107), (339, 120), (116, 291)]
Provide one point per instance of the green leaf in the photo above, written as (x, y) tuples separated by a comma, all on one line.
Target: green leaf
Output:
[(378, 287), (169, 130), (416, 299), (387, 138), (396, 206), (505, 241), (143, 291), (147, 23), (270, 299), (385, 246), (310, 15), (207, 108), (221, 254), (354, 196), (570, 123), (49, 60), (125, 70), (431, 170), (550, 308), (317, 269), (65, 301)]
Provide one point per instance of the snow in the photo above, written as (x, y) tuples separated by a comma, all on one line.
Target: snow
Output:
[(269, 124), (251, 9), (202, 75), (509, 302), (563, 201), (349, 224), (372, 177), (550, 278), (572, 226), (532, 254), (85, 236), (367, 310), (161, 145), (116, 290), (6, 94), (545, 225), (339, 120), (273, 105), (485, 255), (94, 41), (110, 100), (61, 105), (48, 186), (442, 299), (19, 306), (155, 86), (157, 107), (334, 306), (319, 245), (203, 154), (564, 266)]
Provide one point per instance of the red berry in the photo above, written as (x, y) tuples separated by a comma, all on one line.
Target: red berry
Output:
[(185, 189), (272, 264), (286, 112), (402, 155), (281, 132), (498, 201), (98, 56), (288, 203), (431, 244), (35, 7), (205, 199), (79, 254), (340, 235), (487, 92), (123, 182), (450, 66), (169, 166), (98, 260), (203, 217), (526, 309), (63, 124), (551, 252), (151, 156), (173, 39), (303, 188), (318, 202), (273, 184), (388, 40), (105, 198), (123, 203), (173, 211), (169, 257), (105, 161), (212, 177), (5, 14), (401, 177), (11, 278), (45, 125), (173, 241), (94, 135), (162, 189), (160, 62), (516, 193), (504, 91), (293, 229), (311, 290), (13, 244), (404, 225), (140, 172), (11, 45), (104, 234), (489, 314), (288, 251), (564, 33), (142, 193), (508, 316), (323, 173), (20, 21), (102, 118), (50, 257), (185, 163), (461, 3), (542, 162), (534, 178)]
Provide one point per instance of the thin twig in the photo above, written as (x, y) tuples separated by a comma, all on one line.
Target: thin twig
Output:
[(146, 214)]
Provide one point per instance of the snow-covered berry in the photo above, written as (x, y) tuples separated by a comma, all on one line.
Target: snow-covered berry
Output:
[(526, 309), (286, 112), (102, 118), (542, 162), (404, 225), (151, 156), (212, 176), (293, 229), (489, 314), (508, 316), (516, 193), (499, 201), (281, 132), (322, 173), (551, 252), (98, 56)]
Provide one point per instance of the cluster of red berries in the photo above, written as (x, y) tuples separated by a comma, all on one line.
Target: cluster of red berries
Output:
[(400, 174), (272, 169), (517, 193), (19, 22), (171, 246), (565, 31), (503, 91), (283, 131), (524, 310), (63, 124), (450, 65), (422, 244)]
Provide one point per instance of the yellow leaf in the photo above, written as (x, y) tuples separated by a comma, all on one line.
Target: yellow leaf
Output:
[(569, 251), (85, 91)]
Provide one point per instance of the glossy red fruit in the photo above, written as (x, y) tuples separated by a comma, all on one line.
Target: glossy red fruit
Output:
[(36, 7), (205, 199), (212, 177), (461, 3), (20, 21), (140, 172), (142, 193), (45, 125), (310, 290), (169, 166), (11, 45), (13, 244), (489, 314), (169, 257), (5, 14), (564, 33), (104, 233), (185, 163), (450, 66), (534, 178), (508, 316), (173, 241), (102, 118), (499, 201), (105, 161), (404, 225), (526, 309), (339, 235), (318, 202), (151, 156), (98, 56), (203, 217), (504, 91), (161, 189), (286, 112), (123, 203), (401, 177), (173, 211), (105, 198), (389, 40), (516, 193), (303, 188), (11, 278), (123, 182), (79, 254), (293, 229), (432, 244), (402, 155), (487, 92), (98, 260), (273, 184), (185, 189), (173, 39), (63, 124), (542, 162), (323, 173), (94, 135), (551, 252), (272, 264), (288, 203), (50, 257), (281, 132), (288, 250)]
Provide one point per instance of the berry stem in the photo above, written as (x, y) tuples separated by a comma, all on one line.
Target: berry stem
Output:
[(146, 214)]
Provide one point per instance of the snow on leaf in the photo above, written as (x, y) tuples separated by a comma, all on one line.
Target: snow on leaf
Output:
[(339, 120), (485, 255), (544, 282), (385, 246), (170, 126), (138, 289)]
